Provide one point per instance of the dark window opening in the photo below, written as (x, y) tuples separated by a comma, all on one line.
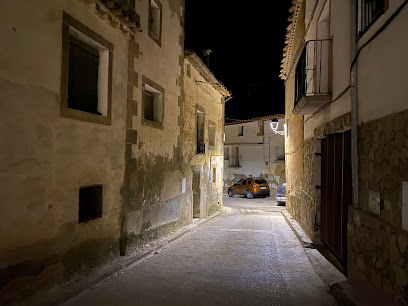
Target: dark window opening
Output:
[(90, 203), (240, 131), (148, 107), (83, 77), (200, 133), (244, 182)]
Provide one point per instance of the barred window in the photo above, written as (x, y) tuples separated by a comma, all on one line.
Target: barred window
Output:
[(369, 11)]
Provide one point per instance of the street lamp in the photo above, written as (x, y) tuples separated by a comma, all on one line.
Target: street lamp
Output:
[(274, 127)]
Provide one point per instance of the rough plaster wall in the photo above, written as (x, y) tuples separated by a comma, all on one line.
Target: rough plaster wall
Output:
[(154, 203), (377, 245), (294, 139), (48, 157), (210, 100)]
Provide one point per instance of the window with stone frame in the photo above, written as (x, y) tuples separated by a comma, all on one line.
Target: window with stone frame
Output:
[(86, 73), (153, 103)]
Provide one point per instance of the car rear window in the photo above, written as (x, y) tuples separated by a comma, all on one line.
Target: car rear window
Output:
[(261, 181)]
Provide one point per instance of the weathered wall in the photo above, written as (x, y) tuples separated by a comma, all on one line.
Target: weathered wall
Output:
[(377, 245), (378, 259), (46, 158), (294, 137), (153, 202), (204, 97)]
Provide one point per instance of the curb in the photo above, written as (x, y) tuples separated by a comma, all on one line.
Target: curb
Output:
[(336, 282), (80, 283)]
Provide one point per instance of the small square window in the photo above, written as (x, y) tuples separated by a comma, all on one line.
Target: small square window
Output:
[(90, 203), (155, 19), (153, 103)]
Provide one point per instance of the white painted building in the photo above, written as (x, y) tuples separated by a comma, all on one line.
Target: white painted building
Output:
[(252, 148)]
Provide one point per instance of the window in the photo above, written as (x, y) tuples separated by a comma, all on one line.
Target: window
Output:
[(155, 18), (90, 203), (86, 74), (235, 157), (226, 153), (153, 103), (244, 182), (369, 11), (214, 176), (189, 70), (211, 134), (241, 130), (200, 132)]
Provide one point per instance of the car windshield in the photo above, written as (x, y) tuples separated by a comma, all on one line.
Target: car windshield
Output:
[(283, 185), (261, 181), (238, 183)]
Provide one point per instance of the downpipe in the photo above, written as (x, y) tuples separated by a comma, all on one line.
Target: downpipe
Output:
[(354, 105)]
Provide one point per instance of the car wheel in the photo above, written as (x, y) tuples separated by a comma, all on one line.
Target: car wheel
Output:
[(249, 195), (230, 193)]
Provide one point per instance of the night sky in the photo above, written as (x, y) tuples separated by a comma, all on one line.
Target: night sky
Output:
[(246, 43)]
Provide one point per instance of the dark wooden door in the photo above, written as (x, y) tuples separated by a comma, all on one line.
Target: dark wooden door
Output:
[(335, 192)]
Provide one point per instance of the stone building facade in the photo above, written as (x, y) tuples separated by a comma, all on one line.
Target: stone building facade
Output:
[(347, 137), (94, 134), (202, 136), (251, 148)]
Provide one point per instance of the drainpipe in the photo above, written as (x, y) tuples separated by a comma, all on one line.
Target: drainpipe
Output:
[(354, 103)]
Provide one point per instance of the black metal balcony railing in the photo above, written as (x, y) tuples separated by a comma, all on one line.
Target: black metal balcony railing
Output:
[(200, 148), (370, 10), (313, 69)]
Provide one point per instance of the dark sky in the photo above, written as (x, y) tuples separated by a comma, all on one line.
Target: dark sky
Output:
[(246, 43)]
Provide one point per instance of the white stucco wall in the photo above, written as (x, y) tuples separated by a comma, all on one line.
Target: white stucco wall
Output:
[(341, 59), (382, 68)]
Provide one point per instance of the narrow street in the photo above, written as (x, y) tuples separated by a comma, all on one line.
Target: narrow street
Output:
[(246, 256)]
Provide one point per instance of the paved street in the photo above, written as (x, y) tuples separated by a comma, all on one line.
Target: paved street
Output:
[(246, 256)]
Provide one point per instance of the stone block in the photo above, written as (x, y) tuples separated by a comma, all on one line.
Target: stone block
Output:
[(402, 243), (134, 48), (399, 140), (133, 77), (394, 249), (404, 155), (399, 122)]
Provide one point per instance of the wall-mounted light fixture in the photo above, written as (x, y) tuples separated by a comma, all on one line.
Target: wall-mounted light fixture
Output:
[(274, 127)]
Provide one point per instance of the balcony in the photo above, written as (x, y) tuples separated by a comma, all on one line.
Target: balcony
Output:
[(313, 77)]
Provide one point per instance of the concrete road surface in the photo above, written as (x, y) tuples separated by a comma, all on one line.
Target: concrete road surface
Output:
[(246, 256)]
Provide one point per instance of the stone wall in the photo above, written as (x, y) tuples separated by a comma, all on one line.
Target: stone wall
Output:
[(203, 97), (378, 254)]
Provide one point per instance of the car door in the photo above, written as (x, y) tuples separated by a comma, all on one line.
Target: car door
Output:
[(236, 187), (242, 188)]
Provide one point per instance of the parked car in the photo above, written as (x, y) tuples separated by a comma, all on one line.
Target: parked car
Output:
[(281, 194), (250, 187)]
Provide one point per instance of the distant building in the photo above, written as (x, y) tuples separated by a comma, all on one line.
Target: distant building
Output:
[(344, 68), (251, 148)]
